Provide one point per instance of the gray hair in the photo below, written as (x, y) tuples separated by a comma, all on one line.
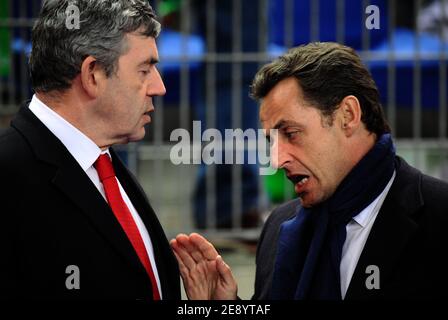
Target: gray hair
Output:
[(58, 52)]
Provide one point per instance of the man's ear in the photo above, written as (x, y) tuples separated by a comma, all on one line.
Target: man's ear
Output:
[(91, 76), (350, 109)]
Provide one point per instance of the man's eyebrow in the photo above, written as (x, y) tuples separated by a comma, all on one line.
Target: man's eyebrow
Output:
[(282, 124), (286, 123), (150, 61)]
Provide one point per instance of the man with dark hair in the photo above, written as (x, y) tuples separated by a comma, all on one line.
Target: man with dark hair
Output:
[(366, 224), (76, 223)]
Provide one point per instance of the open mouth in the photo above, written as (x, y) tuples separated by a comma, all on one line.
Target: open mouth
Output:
[(299, 179), (300, 182)]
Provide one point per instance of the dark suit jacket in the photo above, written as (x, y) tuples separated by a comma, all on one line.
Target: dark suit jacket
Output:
[(52, 216), (408, 242)]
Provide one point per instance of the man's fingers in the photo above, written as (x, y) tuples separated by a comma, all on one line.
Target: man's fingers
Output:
[(224, 271), (204, 246), (179, 260), (182, 268), (183, 255), (194, 252)]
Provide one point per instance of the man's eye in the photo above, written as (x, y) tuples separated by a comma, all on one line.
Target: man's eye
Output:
[(291, 134), (144, 72)]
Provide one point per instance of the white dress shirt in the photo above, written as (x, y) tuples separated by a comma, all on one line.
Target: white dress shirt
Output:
[(86, 152), (358, 230)]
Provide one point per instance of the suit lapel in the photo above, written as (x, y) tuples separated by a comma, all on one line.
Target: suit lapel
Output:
[(165, 260), (73, 182), (390, 233)]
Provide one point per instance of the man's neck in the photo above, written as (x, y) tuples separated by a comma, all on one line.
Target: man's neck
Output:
[(71, 108)]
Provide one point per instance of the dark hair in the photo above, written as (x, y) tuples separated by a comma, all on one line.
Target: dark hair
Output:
[(58, 51), (327, 72)]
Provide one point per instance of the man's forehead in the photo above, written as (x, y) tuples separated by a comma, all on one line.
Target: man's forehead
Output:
[(142, 48), (288, 115), (270, 113), (264, 115), (138, 39), (270, 120)]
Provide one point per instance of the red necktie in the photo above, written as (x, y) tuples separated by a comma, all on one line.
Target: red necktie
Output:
[(106, 173)]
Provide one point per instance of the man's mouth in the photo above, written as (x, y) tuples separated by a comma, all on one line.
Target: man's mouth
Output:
[(147, 113), (299, 181)]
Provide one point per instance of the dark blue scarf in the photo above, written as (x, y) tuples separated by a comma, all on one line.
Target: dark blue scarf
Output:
[(310, 244)]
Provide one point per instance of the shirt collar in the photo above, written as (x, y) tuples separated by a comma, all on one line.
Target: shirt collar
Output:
[(81, 147), (364, 217)]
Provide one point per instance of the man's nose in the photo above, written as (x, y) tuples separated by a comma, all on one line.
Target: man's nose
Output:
[(279, 154), (156, 87)]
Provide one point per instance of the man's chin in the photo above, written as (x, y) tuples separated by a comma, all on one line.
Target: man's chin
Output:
[(306, 200), (137, 136), (304, 204)]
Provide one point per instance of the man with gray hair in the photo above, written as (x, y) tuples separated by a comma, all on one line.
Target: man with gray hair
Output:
[(76, 223)]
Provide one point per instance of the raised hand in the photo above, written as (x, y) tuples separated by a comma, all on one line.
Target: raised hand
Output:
[(204, 273)]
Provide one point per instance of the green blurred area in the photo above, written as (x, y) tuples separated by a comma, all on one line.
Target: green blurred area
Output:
[(278, 187), (167, 7), (5, 41)]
